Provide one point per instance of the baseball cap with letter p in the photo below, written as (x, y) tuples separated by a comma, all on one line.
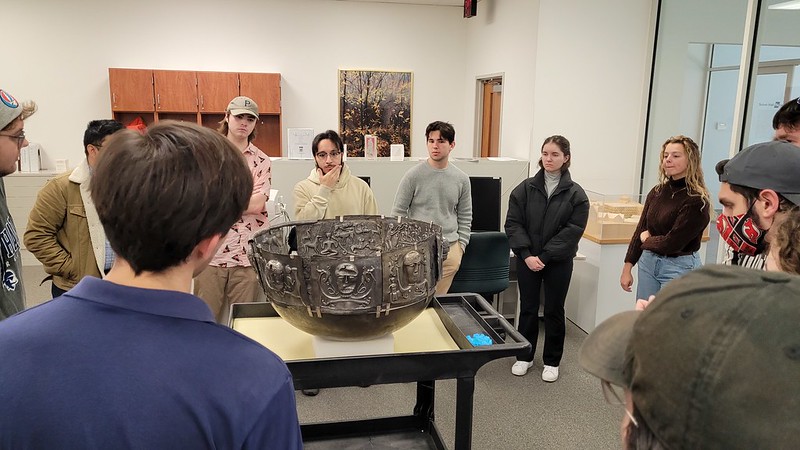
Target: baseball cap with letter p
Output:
[(243, 105)]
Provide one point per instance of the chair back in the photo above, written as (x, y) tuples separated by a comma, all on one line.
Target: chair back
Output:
[(484, 266)]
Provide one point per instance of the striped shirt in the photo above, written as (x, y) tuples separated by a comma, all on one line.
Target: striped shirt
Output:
[(732, 258)]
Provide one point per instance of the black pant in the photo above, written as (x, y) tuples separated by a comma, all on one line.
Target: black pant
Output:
[(57, 291), (556, 277)]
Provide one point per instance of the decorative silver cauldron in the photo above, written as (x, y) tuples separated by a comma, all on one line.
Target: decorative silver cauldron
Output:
[(350, 278)]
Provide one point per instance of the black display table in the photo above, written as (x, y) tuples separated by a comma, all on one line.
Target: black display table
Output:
[(461, 315)]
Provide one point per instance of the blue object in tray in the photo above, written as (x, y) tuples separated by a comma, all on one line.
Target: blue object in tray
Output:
[(479, 339)]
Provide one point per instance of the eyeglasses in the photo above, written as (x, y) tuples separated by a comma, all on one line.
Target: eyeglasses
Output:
[(334, 154), (613, 398), (19, 137)]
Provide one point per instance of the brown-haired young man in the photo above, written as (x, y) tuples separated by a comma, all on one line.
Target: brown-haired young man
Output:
[(437, 191), (231, 278), (136, 360), (12, 139)]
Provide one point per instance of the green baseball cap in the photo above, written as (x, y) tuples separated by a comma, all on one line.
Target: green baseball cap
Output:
[(713, 362)]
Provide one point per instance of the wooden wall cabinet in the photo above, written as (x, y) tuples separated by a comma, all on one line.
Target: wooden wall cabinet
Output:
[(264, 88), (216, 90), (176, 91), (200, 97), (131, 90)]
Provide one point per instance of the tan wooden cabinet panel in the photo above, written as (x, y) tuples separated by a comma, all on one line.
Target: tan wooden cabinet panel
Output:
[(176, 90), (131, 90), (264, 88), (216, 90)]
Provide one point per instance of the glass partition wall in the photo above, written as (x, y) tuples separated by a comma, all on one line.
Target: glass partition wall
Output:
[(698, 88)]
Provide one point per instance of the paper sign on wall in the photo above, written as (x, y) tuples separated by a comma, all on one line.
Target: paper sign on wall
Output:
[(299, 142), (396, 152)]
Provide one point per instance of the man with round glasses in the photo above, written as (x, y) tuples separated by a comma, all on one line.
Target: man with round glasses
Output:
[(12, 139), (330, 189)]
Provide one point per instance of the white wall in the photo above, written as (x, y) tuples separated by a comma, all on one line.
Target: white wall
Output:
[(68, 47), (502, 39), (591, 82), (684, 22), (572, 67)]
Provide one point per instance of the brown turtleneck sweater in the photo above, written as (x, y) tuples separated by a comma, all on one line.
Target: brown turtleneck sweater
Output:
[(674, 219)]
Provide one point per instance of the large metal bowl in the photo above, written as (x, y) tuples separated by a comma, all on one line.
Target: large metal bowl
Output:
[(350, 278)]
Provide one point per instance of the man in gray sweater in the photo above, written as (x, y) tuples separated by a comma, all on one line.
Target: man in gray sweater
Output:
[(436, 191)]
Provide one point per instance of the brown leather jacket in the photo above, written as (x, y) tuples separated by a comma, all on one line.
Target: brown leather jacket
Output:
[(64, 232)]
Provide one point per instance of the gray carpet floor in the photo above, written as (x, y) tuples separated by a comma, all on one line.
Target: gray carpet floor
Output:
[(510, 413)]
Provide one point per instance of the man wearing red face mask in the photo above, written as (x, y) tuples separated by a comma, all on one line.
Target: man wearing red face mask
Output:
[(758, 187)]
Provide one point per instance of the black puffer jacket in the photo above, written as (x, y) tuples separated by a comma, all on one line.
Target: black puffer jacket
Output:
[(547, 228)]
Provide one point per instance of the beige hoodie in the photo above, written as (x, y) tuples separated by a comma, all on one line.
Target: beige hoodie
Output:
[(350, 196)]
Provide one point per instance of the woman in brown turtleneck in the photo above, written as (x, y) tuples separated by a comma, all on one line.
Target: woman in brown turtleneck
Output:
[(676, 212)]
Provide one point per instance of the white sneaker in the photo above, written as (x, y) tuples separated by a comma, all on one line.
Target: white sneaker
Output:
[(550, 373), (520, 368)]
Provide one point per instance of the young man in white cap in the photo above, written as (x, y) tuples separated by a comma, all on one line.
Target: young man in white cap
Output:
[(714, 362), (12, 139), (230, 277)]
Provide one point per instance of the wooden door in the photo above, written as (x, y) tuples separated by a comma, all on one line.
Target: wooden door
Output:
[(490, 126), (216, 90), (131, 90), (176, 90), (264, 88)]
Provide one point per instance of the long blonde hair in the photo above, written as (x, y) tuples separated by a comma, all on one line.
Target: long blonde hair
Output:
[(695, 184)]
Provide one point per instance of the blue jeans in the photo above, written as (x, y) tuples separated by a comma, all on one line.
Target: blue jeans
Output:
[(655, 271)]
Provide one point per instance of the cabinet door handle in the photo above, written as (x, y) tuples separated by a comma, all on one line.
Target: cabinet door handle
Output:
[(202, 102), (158, 100), (114, 98)]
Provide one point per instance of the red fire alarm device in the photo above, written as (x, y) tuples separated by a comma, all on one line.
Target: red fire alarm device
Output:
[(470, 8)]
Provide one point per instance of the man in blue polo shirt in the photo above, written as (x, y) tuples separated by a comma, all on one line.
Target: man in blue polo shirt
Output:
[(135, 360)]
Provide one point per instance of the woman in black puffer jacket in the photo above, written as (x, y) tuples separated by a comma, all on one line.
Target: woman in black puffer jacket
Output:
[(547, 214)]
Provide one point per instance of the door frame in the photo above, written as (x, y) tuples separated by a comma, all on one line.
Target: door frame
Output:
[(479, 80)]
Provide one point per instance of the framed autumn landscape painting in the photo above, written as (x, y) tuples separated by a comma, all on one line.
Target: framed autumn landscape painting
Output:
[(375, 103)]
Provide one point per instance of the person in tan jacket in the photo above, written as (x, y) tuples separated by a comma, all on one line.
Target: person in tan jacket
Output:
[(64, 232)]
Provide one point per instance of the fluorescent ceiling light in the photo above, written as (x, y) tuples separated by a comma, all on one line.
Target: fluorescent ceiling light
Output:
[(793, 4)]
